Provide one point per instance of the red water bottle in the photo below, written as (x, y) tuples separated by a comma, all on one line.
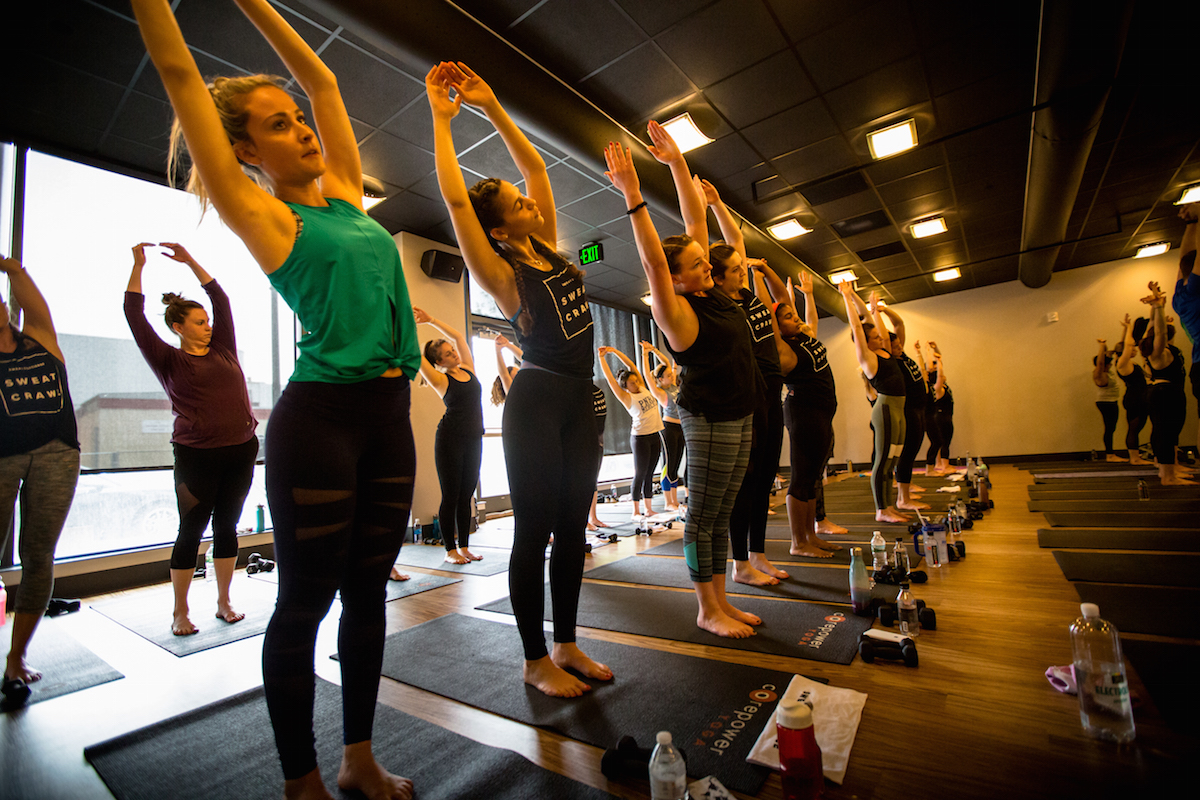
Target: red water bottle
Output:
[(799, 755)]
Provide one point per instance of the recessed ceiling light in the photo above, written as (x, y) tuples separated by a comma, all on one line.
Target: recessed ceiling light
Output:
[(893, 139), (929, 227), (374, 192), (947, 274), (843, 276), (646, 299), (788, 229), (370, 202), (1147, 250), (685, 133), (1190, 195)]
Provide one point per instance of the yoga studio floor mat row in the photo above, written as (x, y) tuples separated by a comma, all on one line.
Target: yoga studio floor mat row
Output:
[(1158, 610), (1181, 539), (778, 551), (433, 556), (814, 631), (395, 590), (66, 665), (1121, 519), (1128, 490), (227, 750), (1098, 505), (1147, 569), (477, 662)]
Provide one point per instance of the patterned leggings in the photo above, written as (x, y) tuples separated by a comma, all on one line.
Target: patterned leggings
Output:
[(718, 453)]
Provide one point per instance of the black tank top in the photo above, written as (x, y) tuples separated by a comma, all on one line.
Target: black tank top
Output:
[(889, 377), (810, 383), (1173, 372), (762, 335), (946, 404), (1135, 386), (36, 405), (464, 406), (561, 337), (600, 407), (914, 386), (718, 376)]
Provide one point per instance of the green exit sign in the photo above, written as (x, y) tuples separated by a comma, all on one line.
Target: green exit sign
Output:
[(590, 253)]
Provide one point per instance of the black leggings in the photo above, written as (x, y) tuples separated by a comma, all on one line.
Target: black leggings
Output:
[(646, 449), (457, 458), (914, 437), (211, 483), (1168, 412), (673, 444), (1136, 415), (810, 442), (748, 522), (550, 446), (939, 426), (887, 417), (1110, 413), (340, 468)]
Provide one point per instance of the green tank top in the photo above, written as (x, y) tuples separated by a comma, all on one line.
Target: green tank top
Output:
[(346, 284)]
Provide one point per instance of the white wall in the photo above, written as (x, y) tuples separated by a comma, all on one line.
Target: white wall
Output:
[(1022, 385)]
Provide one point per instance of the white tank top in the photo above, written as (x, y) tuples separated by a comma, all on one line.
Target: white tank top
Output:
[(643, 407)]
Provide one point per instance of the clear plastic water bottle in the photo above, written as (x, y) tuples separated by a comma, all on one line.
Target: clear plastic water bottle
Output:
[(906, 607), (900, 552), (668, 774), (879, 557), (799, 754), (210, 572), (417, 530), (860, 585), (933, 556), (1104, 707)]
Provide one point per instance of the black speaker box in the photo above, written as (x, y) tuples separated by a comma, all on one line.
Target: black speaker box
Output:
[(443, 266)]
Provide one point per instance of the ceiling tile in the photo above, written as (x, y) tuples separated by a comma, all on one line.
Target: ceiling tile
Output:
[(395, 161), (792, 129), (722, 40), (415, 125), (845, 208), (815, 161), (372, 90), (876, 36), (885, 91), (84, 37), (661, 14), (724, 157), (922, 183), (576, 38), (638, 85), (804, 18), (598, 208), (759, 91), (411, 212)]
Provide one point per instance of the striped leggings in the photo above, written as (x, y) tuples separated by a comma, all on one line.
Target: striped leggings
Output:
[(887, 417), (718, 453)]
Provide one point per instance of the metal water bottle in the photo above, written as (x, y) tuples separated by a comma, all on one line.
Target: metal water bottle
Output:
[(860, 585)]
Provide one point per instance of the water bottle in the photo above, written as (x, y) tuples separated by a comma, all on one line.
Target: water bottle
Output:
[(260, 520), (210, 571), (907, 607), (3, 604), (878, 551), (417, 530), (668, 774), (1143, 491), (901, 554), (971, 469), (860, 585), (933, 556), (799, 754), (1104, 707)]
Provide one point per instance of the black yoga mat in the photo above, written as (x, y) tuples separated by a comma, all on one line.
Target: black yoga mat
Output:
[(418, 582), (1121, 519), (478, 662), (855, 532), (1150, 569), (1134, 472), (820, 584), (433, 556), (148, 614), (227, 750), (777, 552), (1160, 610), (1126, 490), (1106, 506), (66, 665), (1083, 466), (1187, 539), (1164, 668), (801, 630)]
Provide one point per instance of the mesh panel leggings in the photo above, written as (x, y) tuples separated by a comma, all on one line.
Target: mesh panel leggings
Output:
[(550, 446), (914, 436), (673, 444), (458, 459), (888, 418), (646, 450), (340, 467), (748, 522), (718, 453), (1110, 413), (211, 482)]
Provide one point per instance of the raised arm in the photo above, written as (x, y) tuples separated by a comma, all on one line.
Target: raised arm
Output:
[(877, 316), (1099, 374), (691, 198), (866, 357), (730, 231), (659, 393), (939, 387), (810, 302), (460, 341), (622, 395), (38, 325), (897, 324), (1128, 345), (139, 264), (1157, 300), (921, 364), (502, 344)]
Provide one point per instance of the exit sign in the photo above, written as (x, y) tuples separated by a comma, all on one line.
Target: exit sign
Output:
[(590, 253)]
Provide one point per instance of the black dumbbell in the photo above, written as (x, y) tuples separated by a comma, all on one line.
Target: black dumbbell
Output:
[(871, 649), (889, 613), (628, 760), (256, 563)]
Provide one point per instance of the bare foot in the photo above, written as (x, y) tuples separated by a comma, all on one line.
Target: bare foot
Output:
[(760, 563), (469, 555), (1115, 458), (913, 506), (890, 514), (745, 572), (453, 557), (595, 523), (1141, 461), (226, 612), (738, 614), (568, 655), (591, 527), (397, 575), (309, 787), (549, 678), (810, 551), (724, 625), (22, 672), (1177, 481), (361, 772), (830, 528), (181, 626), (824, 545)]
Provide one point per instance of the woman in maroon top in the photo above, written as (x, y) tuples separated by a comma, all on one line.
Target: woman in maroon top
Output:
[(214, 441)]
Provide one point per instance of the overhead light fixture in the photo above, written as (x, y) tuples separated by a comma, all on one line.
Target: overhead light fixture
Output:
[(947, 274), (647, 299), (846, 275), (685, 133), (1190, 195), (374, 192), (788, 229), (1147, 250), (928, 227), (370, 202), (893, 139)]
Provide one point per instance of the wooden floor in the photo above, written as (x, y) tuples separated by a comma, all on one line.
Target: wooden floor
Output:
[(977, 719)]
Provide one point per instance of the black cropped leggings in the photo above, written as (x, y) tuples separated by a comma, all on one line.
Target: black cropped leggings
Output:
[(1168, 412), (550, 449), (673, 446), (458, 459), (1136, 416), (748, 522), (211, 482), (1110, 413), (340, 467), (914, 437), (646, 450), (810, 443), (939, 426)]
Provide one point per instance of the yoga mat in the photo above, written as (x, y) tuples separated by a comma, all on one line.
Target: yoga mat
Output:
[(1164, 668), (1121, 538), (65, 664), (822, 584), (801, 630), (1092, 480), (855, 532), (1082, 466), (1042, 475), (1121, 519), (227, 750), (1150, 569), (433, 556), (1127, 490), (418, 582), (1160, 610), (148, 614), (478, 662), (1098, 505), (776, 552)]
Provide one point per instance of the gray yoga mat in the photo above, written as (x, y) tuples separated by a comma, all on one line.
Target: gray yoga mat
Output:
[(777, 552), (433, 556), (1186, 539), (148, 613), (1159, 610), (478, 662), (814, 631), (1151, 569), (1082, 466), (418, 582), (1126, 490), (819, 584), (1121, 519), (227, 750), (1105, 506), (1136, 472), (855, 532), (66, 665)]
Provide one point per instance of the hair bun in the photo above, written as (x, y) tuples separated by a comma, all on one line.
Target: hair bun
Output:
[(170, 298)]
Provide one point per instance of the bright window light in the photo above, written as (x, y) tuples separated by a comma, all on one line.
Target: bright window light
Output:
[(947, 274), (370, 202), (892, 140), (843, 276), (646, 299), (788, 229), (1147, 250), (929, 227), (1190, 195), (685, 133)]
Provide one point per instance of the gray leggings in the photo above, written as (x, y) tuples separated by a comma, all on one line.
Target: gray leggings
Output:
[(45, 478), (887, 418), (718, 453)]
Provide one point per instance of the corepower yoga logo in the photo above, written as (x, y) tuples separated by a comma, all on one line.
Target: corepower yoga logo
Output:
[(723, 731), (815, 637)]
